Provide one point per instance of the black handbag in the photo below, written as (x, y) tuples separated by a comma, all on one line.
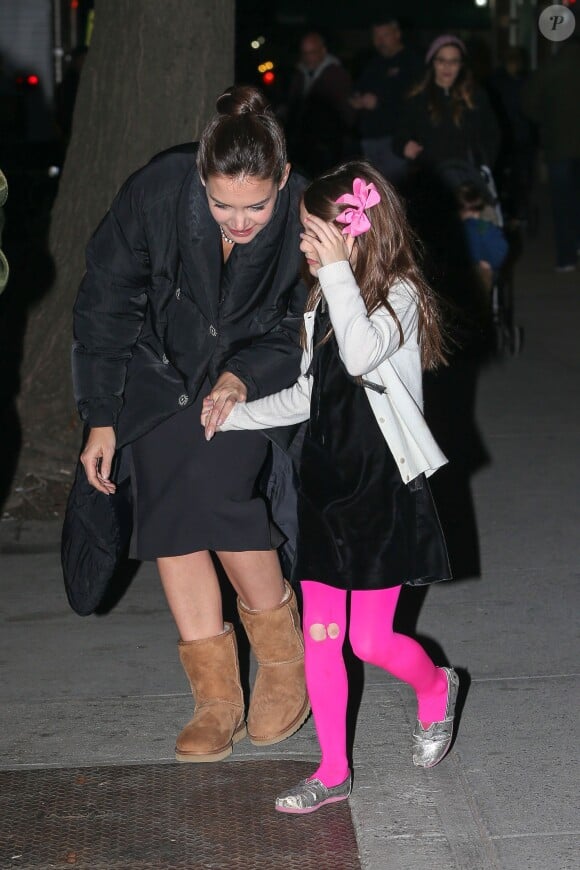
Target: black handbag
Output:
[(95, 540)]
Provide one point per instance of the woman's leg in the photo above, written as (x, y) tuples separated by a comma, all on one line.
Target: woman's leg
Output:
[(324, 622), (193, 593), (269, 613), (256, 576), (209, 656), (373, 640)]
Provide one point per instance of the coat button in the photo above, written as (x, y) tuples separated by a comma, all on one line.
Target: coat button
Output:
[(213, 331), (402, 460), (178, 293), (183, 399), (164, 360), (381, 419)]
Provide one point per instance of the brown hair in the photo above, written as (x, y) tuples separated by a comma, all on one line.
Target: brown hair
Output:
[(470, 196), (386, 254), (461, 92), (243, 138)]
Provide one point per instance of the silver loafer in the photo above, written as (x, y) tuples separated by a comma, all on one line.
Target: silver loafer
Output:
[(431, 744), (309, 795)]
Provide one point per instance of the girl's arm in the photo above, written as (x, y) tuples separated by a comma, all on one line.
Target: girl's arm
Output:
[(364, 340), (285, 408)]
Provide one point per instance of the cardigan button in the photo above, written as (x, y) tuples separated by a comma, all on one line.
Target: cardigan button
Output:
[(213, 330), (178, 293), (402, 460), (381, 419), (183, 399)]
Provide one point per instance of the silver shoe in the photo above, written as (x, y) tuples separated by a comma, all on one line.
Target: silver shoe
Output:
[(309, 795), (431, 744)]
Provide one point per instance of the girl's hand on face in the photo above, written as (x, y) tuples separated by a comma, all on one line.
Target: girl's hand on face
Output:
[(227, 391), (327, 241)]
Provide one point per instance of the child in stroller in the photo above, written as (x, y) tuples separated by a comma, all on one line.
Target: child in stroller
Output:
[(486, 242), (489, 250)]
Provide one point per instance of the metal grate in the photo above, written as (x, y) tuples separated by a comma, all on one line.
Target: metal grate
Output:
[(168, 817)]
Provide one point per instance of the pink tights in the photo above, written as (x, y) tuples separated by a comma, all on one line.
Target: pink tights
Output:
[(373, 640)]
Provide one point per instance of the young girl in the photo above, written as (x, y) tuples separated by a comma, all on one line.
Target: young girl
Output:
[(366, 520)]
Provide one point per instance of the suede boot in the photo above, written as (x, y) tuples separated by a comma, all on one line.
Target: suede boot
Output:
[(212, 667), (279, 702)]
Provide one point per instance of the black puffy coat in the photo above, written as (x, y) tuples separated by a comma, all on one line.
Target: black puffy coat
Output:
[(158, 310)]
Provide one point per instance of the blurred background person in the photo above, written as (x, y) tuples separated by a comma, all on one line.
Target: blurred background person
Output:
[(551, 100), (318, 117), (447, 117), (380, 90), (447, 130), (515, 166)]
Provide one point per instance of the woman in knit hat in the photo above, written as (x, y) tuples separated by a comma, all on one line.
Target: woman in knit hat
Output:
[(447, 117)]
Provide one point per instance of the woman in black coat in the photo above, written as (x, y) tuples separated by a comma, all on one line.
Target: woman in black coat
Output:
[(447, 117), (192, 289)]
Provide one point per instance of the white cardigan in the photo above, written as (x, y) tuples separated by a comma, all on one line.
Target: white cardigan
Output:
[(368, 346)]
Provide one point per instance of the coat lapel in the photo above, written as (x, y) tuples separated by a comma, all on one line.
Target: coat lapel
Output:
[(199, 247)]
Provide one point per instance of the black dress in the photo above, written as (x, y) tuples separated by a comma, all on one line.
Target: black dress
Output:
[(191, 494), (359, 526)]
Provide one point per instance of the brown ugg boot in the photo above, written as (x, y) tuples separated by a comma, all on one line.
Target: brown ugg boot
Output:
[(279, 702), (211, 665)]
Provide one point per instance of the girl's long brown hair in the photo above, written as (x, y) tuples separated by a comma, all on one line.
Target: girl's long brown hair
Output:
[(461, 91), (384, 255)]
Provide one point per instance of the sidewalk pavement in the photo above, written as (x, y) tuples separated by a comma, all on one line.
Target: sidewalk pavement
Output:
[(109, 690)]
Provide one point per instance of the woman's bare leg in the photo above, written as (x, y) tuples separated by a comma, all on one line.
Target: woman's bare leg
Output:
[(193, 593), (256, 576)]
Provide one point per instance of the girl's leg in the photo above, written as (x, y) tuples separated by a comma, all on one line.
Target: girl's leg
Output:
[(373, 640), (324, 622)]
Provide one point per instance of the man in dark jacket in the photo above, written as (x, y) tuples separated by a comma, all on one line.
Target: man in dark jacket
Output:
[(380, 91), (551, 100), (319, 117)]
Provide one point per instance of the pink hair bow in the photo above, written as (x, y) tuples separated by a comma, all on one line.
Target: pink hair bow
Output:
[(363, 196)]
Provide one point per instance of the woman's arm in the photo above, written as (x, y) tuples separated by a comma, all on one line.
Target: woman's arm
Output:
[(284, 408), (272, 360), (109, 310)]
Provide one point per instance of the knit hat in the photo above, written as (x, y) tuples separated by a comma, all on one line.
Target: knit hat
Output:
[(440, 41)]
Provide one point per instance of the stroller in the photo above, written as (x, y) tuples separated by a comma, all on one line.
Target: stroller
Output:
[(507, 338)]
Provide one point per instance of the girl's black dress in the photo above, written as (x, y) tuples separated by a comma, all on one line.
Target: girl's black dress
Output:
[(359, 526)]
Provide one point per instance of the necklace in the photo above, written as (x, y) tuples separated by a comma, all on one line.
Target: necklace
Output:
[(226, 238)]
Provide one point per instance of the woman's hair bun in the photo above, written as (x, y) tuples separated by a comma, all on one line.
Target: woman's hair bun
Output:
[(241, 100)]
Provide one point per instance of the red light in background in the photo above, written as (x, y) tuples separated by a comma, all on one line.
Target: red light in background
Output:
[(74, 4), (32, 80), (268, 78)]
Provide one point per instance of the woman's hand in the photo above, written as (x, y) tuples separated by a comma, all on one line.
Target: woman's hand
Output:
[(98, 456), (412, 149), (227, 391), (327, 241)]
